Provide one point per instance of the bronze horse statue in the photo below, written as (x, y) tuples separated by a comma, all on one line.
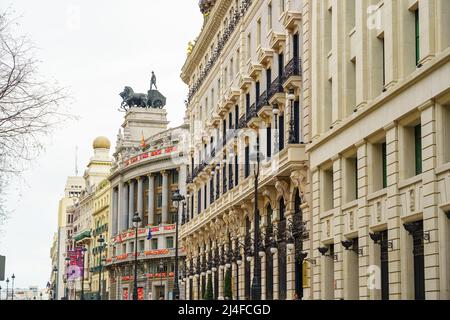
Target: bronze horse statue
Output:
[(132, 99)]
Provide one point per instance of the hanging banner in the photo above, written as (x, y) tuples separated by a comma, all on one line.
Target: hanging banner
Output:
[(141, 293)]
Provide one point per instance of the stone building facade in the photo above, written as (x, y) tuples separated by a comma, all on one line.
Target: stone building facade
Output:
[(379, 155), (149, 166), (249, 93)]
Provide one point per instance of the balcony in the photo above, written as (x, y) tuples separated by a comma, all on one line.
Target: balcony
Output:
[(292, 73), (83, 235), (276, 92)]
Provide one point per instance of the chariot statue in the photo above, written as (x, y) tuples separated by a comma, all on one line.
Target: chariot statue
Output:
[(153, 98), (131, 99)]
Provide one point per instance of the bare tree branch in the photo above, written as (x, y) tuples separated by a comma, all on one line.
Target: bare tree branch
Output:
[(30, 108)]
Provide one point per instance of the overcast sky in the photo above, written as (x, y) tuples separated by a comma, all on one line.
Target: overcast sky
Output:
[(94, 48)]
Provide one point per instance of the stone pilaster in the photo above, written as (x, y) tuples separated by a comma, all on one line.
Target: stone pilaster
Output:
[(151, 199), (165, 197), (430, 195), (393, 212)]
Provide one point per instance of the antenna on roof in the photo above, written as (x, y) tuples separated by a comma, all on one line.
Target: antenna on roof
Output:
[(76, 161)]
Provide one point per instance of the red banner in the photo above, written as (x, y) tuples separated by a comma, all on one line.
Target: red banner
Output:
[(156, 252), (140, 293), (125, 294), (150, 154)]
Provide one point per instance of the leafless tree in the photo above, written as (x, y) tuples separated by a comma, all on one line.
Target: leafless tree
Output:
[(30, 108)]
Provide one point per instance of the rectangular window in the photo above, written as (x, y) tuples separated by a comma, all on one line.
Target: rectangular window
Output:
[(269, 141), (269, 17), (247, 161), (159, 179), (236, 170), (249, 46), (169, 242), (281, 132), (230, 120), (231, 70), (417, 35), (384, 62), (327, 189), (384, 158), (247, 103), (282, 6), (236, 116), (418, 147), (350, 178), (199, 201), (268, 79), (258, 34), (159, 200), (205, 204), (175, 177), (257, 92), (141, 245), (154, 244)]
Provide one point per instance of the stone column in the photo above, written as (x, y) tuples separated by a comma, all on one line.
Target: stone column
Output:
[(363, 219), (165, 197), (337, 227), (114, 217), (131, 208), (393, 212), (432, 218), (151, 199), (290, 274), (140, 199), (221, 281), (124, 219), (263, 277), (275, 276)]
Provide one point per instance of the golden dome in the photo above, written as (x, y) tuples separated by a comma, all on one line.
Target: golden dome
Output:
[(101, 143)]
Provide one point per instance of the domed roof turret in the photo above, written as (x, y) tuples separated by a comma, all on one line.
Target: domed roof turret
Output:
[(101, 143)]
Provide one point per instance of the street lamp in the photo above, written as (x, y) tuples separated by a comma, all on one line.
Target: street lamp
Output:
[(12, 291), (66, 282), (276, 112), (7, 288), (101, 240), (136, 221), (177, 198), (292, 136), (256, 285), (83, 251)]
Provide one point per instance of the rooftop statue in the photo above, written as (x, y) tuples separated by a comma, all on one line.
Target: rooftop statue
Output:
[(153, 98), (153, 81), (131, 99)]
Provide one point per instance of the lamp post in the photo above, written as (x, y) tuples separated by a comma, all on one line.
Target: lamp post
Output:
[(83, 251), (66, 283), (177, 198), (161, 269), (292, 133), (136, 221), (256, 285), (276, 112), (12, 291), (7, 288), (101, 241)]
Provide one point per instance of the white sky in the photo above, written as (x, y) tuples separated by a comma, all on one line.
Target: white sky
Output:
[(95, 48)]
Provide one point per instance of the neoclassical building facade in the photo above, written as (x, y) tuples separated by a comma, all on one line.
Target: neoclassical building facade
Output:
[(149, 166), (249, 97), (379, 157)]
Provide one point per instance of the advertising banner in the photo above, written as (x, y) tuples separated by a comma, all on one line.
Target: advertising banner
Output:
[(75, 270)]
